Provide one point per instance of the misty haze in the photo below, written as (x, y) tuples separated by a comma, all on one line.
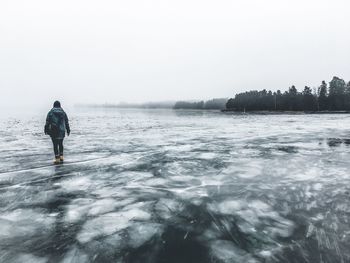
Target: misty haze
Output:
[(174, 131)]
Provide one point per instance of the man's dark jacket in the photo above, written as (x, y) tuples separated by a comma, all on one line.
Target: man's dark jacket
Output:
[(57, 121)]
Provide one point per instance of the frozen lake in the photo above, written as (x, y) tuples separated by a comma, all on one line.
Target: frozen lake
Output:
[(176, 186)]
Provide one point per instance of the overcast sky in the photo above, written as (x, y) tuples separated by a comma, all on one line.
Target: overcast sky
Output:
[(133, 51)]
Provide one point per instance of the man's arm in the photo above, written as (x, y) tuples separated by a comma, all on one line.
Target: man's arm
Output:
[(67, 123)]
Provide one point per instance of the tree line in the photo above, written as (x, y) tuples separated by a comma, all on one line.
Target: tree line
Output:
[(214, 104), (332, 97)]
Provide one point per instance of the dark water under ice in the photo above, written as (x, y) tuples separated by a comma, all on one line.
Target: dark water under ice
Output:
[(166, 186)]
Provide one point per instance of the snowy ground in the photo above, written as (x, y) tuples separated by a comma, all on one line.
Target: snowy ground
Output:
[(166, 186)]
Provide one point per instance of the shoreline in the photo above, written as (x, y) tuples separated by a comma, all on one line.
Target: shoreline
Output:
[(285, 112), (262, 112)]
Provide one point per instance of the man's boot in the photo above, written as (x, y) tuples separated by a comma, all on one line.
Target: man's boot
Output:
[(57, 160), (61, 159)]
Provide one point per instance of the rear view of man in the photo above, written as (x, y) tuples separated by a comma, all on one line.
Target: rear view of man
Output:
[(56, 126)]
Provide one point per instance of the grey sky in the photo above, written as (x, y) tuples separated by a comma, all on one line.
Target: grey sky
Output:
[(111, 51)]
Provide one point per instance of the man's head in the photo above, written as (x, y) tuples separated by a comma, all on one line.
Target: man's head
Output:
[(57, 104)]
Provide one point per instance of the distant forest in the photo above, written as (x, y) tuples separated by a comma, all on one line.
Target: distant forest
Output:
[(147, 105), (214, 104), (332, 97)]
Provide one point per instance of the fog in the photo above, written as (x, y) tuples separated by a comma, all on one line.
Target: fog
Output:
[(139, 51)]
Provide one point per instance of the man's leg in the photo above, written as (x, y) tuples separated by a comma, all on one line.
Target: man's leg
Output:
[(55, 146), (60, 146), (55, 149)]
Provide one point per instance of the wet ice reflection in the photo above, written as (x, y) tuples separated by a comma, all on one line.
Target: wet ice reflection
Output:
[(178, 187)]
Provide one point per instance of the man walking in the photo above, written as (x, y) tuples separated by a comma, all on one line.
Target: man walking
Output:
[(56, 126)]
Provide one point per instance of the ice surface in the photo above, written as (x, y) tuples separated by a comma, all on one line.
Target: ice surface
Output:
[(110, 223), (177, 186), (24, 223), (24, 257), (226, 251), (75, 255), (140, 233)]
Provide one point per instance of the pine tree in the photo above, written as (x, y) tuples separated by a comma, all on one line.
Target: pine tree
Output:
[(309, 101), (322, 97), (336, 94), (347, 96)]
